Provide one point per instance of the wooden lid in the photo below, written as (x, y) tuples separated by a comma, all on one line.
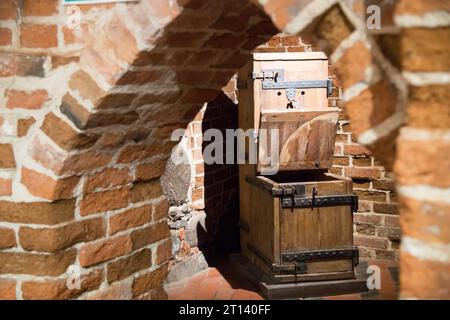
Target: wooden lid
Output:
[(265, 56)]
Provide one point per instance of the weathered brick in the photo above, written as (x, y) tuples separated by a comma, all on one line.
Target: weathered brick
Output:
[(117, 291), (371, 107), (333, 28), (104, 250), (64, 135), (38, 36), (129, 219), (37, 212), (149, 281), (423, 163), (150, 171), (5, 37), (362, 173), (425, 49), (425, 220), (15, 64), (86, 86), (106, 119), (383, 207), (41, 185), (5, 187), (25, 99), (23, 125), (164, 252), (125, 267), (7, 287), (392, 233), (371, 242), (350, 73), (104, 201), (107, 178), (429, 278), (7, 238), (148, 235), (160, 210), (36, 264), (9, 9), (58, 289), (356, 150), (39, 8), (55, 239), (145, 191), (74, 111)]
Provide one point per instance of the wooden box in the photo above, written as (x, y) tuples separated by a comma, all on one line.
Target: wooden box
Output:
[(299, 227), (289, 92)]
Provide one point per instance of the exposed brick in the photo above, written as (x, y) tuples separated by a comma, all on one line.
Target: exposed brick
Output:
[(125, 267), (382, 207), (103, 119), (349, 72), (7, 156), (36, 264), (15, 64), (164, 252), (7, 238), (117, 100), (5, 37), (38, 36), (429, 278), (37, 212), (55, 239), (58, 289), (333, 28), (150, 171), (107, 178), (5, 187), (46, 187), (104, 250), (371, 195), (116, 291), (86, 86), (23, 125), (130, 219), (371, 107), (160, 210), (425, 220), (25, 99), (64, 135), (149, 281), (145, 191), (82, 162), (104, 201), (149, 235), (59, 61), (356, 150), (371, 219), (425, 49), (9, 9), (390, 233), (423, 163), (7, 287), (74, 111), (39, 8), (362, 173), (371, 242)]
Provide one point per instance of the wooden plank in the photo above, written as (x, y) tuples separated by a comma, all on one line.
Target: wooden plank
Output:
[(319, 228)]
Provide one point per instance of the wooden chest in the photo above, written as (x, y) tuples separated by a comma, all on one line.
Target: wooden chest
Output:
[(299, 227), (287, 94)]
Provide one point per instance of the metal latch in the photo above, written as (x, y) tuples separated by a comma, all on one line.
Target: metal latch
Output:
[(273, 79)]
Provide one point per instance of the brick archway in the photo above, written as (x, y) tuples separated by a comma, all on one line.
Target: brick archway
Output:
[(101, 107)]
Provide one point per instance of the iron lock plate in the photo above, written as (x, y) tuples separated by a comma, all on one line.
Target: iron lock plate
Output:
[(320, 201), (273, 79)]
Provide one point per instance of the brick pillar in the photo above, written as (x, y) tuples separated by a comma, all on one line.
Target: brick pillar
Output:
[(422, 166)]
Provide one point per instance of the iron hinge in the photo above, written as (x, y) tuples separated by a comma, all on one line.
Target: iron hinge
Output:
[(320, 201)]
